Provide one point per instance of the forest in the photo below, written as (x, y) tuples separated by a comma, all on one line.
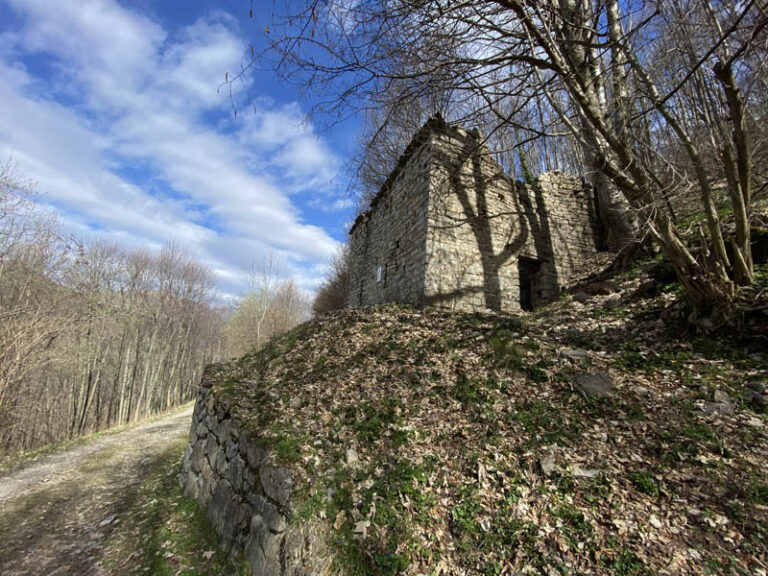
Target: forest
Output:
[(659, 106), (94, 334)]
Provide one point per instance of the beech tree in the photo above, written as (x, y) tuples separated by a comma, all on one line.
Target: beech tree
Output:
[(661, 98), (29, 254), (332, 294)]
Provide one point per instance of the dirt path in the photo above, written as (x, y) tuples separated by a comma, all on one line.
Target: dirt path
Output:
[(57, 511)]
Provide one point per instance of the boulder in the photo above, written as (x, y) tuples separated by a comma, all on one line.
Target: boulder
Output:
[(594, 384), (549, 466), (277, 484), (225, 513), (352, 458), (269, 513), (582, 297), (574, 354), (262, 551)]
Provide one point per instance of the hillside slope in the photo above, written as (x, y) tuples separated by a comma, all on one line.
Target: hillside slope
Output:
[(590, 437)]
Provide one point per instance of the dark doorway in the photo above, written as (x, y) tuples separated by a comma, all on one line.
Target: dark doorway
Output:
[(527, 271)]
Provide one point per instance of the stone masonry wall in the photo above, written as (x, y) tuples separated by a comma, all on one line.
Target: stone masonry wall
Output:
[(480, 229), (392, 235), (477, 228), (574, 230), (247, 496)]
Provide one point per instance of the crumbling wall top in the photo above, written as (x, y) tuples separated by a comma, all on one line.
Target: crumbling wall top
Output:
[(435, 125)]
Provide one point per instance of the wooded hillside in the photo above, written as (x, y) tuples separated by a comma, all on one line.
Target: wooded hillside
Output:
[(94, 335)]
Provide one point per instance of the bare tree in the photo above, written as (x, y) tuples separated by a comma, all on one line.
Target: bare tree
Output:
[(29, 255), (332, 293), (271, 306), (94, 335), (591, 68)]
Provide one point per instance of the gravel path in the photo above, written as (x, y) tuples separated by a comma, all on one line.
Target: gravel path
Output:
[(57, 510)]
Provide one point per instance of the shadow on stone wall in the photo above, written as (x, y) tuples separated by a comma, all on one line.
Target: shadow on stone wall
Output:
[(484, 216)]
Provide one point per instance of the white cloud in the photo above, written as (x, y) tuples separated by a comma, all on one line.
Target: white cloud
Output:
[(272, 128), (306, 158), (227, 188)]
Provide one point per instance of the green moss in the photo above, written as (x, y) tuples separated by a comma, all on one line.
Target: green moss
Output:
[(625, 563), (645, 483), (614, 312), (465, 517), (370, 427)]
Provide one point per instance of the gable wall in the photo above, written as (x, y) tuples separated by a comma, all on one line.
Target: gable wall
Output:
[(392, 235), (480, 224)]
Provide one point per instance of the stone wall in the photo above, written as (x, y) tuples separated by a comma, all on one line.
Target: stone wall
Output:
[(574, 233), (246, 496), (387, 256), (477, 228), (477, 239)]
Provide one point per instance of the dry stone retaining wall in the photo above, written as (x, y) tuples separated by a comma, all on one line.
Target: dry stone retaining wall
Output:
[(246, 496)]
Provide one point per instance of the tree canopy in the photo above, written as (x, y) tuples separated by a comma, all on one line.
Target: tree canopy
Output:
[(659, 102)]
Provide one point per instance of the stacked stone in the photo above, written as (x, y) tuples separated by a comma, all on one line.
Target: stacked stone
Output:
[(391, 235), (573, 211), (451, 229), (247, 498), (473, 219)]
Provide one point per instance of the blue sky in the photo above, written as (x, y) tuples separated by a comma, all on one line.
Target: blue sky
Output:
[(113, 108)]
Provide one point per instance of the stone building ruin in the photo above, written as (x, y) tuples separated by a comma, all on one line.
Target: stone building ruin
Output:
[(449, 228)]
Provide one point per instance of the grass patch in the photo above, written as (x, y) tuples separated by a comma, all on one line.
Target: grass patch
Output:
[(506, 349), (377, 554), (575, 527), (645, 483), (757, 493), (376, 420), (473, 391), (537, 372), (165, 533), (625, 563), (490, 538), (284, 446), (544, 424)]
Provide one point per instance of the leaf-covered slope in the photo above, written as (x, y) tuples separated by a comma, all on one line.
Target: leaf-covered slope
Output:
[(433, 442)]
